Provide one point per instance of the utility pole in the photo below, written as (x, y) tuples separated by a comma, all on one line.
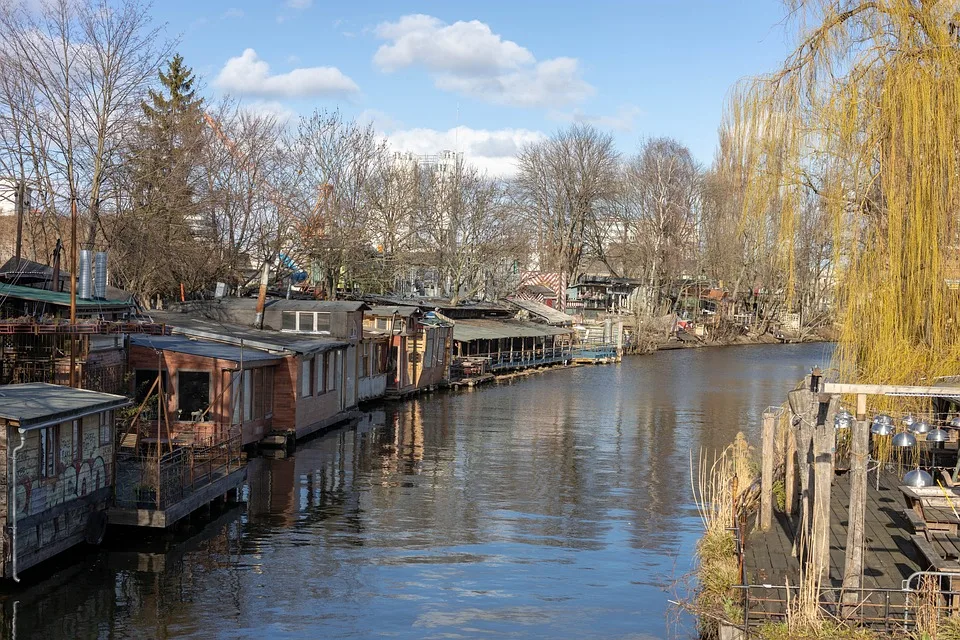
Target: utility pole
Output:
[(73, 290)]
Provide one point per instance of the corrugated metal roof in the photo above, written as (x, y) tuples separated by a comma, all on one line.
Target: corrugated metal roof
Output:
[(185, 324), (38, 403), (551, 315), (486, 329), (55, 297), (204, 348)]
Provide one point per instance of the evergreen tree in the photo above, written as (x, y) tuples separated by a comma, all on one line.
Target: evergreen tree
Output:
[(159, 241)]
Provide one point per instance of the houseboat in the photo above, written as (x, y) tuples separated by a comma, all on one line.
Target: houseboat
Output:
[(57, 470)]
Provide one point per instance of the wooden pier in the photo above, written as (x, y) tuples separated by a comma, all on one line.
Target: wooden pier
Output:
[(845, 537)]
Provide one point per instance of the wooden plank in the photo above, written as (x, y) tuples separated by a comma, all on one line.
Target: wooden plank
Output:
[(766, 471)]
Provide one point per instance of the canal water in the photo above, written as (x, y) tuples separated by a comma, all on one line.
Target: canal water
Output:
[(556, 506)]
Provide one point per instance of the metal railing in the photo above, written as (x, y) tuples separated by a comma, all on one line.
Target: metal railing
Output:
[(145, 481), (887, 609)]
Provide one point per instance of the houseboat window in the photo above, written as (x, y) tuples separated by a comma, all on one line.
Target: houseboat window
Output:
[(143, 380), (328, 365), (106, 428), (428, 350), (323, 321), (193, 393), (305, 378), (365, 371), (321, 379), (48, 451), (257, 394), (268, 392), (247, 395), (383, 323), (305, 322), (288, 321)]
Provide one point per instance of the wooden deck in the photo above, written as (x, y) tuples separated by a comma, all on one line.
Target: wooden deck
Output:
[(162, 518), (890, 555)]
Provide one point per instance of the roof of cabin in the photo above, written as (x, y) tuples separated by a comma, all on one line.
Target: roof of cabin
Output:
[(549, 314), (485, 329), (37, 404), (199, 327), (60, 299), (204, 348), (391, 310), (25, 271)]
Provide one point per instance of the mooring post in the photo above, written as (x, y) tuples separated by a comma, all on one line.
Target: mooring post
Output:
[(802, 404), (766, 471), (824, 443), (853, 559), (790, 468)]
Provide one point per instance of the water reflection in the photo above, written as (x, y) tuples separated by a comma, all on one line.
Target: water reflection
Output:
[(556, 506)]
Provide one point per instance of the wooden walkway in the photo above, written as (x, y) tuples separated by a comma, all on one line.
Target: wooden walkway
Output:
[(890, 555)]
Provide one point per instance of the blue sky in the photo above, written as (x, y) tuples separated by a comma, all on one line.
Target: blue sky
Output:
[(485, 77)]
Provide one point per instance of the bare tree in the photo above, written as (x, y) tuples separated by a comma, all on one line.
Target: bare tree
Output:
[(337, 159), (560, 185), (662, 192)]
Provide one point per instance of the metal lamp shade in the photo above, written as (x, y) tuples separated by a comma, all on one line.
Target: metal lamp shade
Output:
[(904, 439), (843, 420), (920, 426), (955, 423), (937, 435), (882, 425), (908, 420), (918, 478)]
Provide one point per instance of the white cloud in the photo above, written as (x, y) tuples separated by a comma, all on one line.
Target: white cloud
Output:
[(248, 74), (493, 151), (380, 120), (233, 12), (622, 120), (278, 110), (468, 58), (299, 4)]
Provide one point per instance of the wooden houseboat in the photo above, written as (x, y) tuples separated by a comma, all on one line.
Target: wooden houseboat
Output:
[(57, 470)]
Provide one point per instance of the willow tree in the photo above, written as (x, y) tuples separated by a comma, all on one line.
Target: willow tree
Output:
[(864, 115)]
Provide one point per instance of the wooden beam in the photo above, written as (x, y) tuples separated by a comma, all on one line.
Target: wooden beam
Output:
[(766, 471), (824, 443), (853, 560), (890, 390), (790, 469)]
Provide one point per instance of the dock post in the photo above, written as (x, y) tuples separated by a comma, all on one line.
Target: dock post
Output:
[(824, 443), (853, 560), (790, 468), (766, 471), (803, 407)]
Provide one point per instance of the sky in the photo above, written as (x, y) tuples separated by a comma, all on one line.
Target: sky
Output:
[(484, 78)]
